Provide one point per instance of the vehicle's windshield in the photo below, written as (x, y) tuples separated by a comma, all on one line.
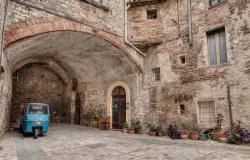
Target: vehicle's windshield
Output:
[(38, 109)]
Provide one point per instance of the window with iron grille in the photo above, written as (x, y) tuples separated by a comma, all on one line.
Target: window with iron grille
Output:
[(215, 2), (207, 113), (217, 48), (157, 74)]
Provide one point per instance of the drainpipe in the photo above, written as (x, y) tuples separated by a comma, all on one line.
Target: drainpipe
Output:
[(2, 31), (189, 12), (178, 17), (230, 104), (126, 29)]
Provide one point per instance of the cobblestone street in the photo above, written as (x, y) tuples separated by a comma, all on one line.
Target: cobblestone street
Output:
[(77, 142)]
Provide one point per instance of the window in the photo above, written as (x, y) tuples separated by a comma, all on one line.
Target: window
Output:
[(157, 74), (215, 2), (93, 1), (217, 48), (207, 114), (182, 109), (152, 14), (182, 59), (98, 1)]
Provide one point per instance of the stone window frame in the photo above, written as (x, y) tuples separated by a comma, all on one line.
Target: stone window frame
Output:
[(216, 31), (181, 60), (156, 74)]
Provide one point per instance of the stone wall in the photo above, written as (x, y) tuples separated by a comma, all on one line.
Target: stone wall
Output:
[(110, 20), (5, 82)]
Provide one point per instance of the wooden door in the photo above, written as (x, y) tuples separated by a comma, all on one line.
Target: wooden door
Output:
[(118, 108)]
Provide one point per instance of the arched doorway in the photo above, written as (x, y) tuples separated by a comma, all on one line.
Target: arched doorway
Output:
[(118, 107), (78, 109)]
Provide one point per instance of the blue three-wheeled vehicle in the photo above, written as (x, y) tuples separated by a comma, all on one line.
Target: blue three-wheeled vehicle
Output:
[(36, 119)]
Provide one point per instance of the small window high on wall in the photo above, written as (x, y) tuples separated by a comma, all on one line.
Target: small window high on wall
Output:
[(98, 1), (157, 74), (206, 114), (215, 2), (217, 48), (152, 14)]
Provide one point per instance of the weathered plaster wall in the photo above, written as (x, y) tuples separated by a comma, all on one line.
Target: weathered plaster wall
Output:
[(5, 82)]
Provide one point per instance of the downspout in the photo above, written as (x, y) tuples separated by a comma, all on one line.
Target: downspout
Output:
[(2, 31), (126, 29), (178, 17), (189, 12)]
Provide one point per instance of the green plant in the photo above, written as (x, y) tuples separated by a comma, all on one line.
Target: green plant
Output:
[(159, 129), (136, 125), (125, 125), (152, 127), (232, 138), (234, 133)]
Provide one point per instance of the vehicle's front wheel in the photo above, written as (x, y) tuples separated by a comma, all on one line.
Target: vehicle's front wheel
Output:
[(21, 129), (36, 133)]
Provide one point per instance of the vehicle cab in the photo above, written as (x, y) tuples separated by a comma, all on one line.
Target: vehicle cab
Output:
[(36, 119)]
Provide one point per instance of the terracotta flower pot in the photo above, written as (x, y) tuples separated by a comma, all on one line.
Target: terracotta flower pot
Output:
[(160, 134), (125, 130), (194, 136), (223, 137), (184, 134), (152, 133), (137, 131), (131, 131)]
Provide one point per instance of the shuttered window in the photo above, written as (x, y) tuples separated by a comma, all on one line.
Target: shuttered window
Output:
[(217, 47), (207, 114)]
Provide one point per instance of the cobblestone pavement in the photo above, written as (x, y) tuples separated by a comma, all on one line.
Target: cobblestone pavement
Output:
[(71, 142)]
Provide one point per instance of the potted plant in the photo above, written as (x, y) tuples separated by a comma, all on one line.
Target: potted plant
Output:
[(159, 131), (137, 127), (202, 136), (184, 134), (223, 136), (152, 129), (194, 135), (172, 132), (131, 130), (125, 127)]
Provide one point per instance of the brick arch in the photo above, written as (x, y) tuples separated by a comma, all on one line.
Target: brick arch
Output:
[(35, 26)]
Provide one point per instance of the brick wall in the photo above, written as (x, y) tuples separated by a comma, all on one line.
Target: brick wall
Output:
[(195, 81), (36, 83)]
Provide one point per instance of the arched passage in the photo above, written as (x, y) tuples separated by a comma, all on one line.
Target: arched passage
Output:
[(36, 82), (116, 95), (93, 61)]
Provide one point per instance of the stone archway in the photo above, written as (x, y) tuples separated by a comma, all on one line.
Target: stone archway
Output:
[(36, 26), (37, 83), (110, 100)]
